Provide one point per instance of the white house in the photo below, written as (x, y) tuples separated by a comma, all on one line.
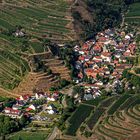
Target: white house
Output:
[(40, 95), (50, 99), (32, 107), (50, 112)]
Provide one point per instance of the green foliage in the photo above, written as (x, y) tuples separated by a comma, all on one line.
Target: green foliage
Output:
[(39, 102), (23, 121), (96, 101), (9, 102), (129, 102), (118, 103), (95, 117), (87, 134), (76, 119), (64, 83), (104, 13), (76, 15), (78, 90), (8, 125), (37, 135)]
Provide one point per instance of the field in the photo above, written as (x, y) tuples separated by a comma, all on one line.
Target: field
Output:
[(13, 67), (78, 117), (133, 15), (113, 118)]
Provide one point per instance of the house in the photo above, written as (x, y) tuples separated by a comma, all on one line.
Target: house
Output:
[(40, 95), (85, 47), (127, 53), (31, 107), (19, 33), (16, 107), (103, 39), (80, 75), (88, 97), (127, 37), (106, 56), (88, 57), (91, 73), (99, 83), (55, 95), (51, 109), (12, 113), (97, 48), (24, 97), (76, 48), (132, 48), (51, 112), (81, 58), (49, 98), (97, 59), (96, 93)]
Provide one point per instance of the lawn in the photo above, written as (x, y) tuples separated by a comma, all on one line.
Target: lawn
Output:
[(30, 136)]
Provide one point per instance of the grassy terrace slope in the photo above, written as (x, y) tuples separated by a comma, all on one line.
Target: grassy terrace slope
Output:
[(48, 19), (12, 66), (133, 14), (113, 118)]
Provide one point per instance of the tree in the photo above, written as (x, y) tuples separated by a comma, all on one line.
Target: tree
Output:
[(64, 83), (76, 15), (78, 90), (23, 120), (126, 74)]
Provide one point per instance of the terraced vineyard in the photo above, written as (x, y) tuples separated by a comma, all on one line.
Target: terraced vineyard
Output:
[(43, 20), (12, 66), (47, 19), (114, 118), (133, 14)]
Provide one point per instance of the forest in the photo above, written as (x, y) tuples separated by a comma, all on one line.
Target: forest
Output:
[(96, 15)]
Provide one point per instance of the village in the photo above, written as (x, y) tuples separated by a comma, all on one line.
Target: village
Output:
[(101, 62), (35, 107)]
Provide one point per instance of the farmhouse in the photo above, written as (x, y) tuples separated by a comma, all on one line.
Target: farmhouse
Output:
[(12, 113)]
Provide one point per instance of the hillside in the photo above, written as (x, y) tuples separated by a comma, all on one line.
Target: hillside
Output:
[(91, 17), (26, 28), (113, 118), (47, 19)]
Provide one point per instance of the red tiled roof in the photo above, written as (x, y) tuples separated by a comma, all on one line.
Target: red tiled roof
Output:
[(127, 53), (102, 39), (85, 46), (97, 57), (132, 48), (106, 54), (81, 58), (97, 48)]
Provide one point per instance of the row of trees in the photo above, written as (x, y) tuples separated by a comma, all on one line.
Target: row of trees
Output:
[(66, 112), (8, 125)]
